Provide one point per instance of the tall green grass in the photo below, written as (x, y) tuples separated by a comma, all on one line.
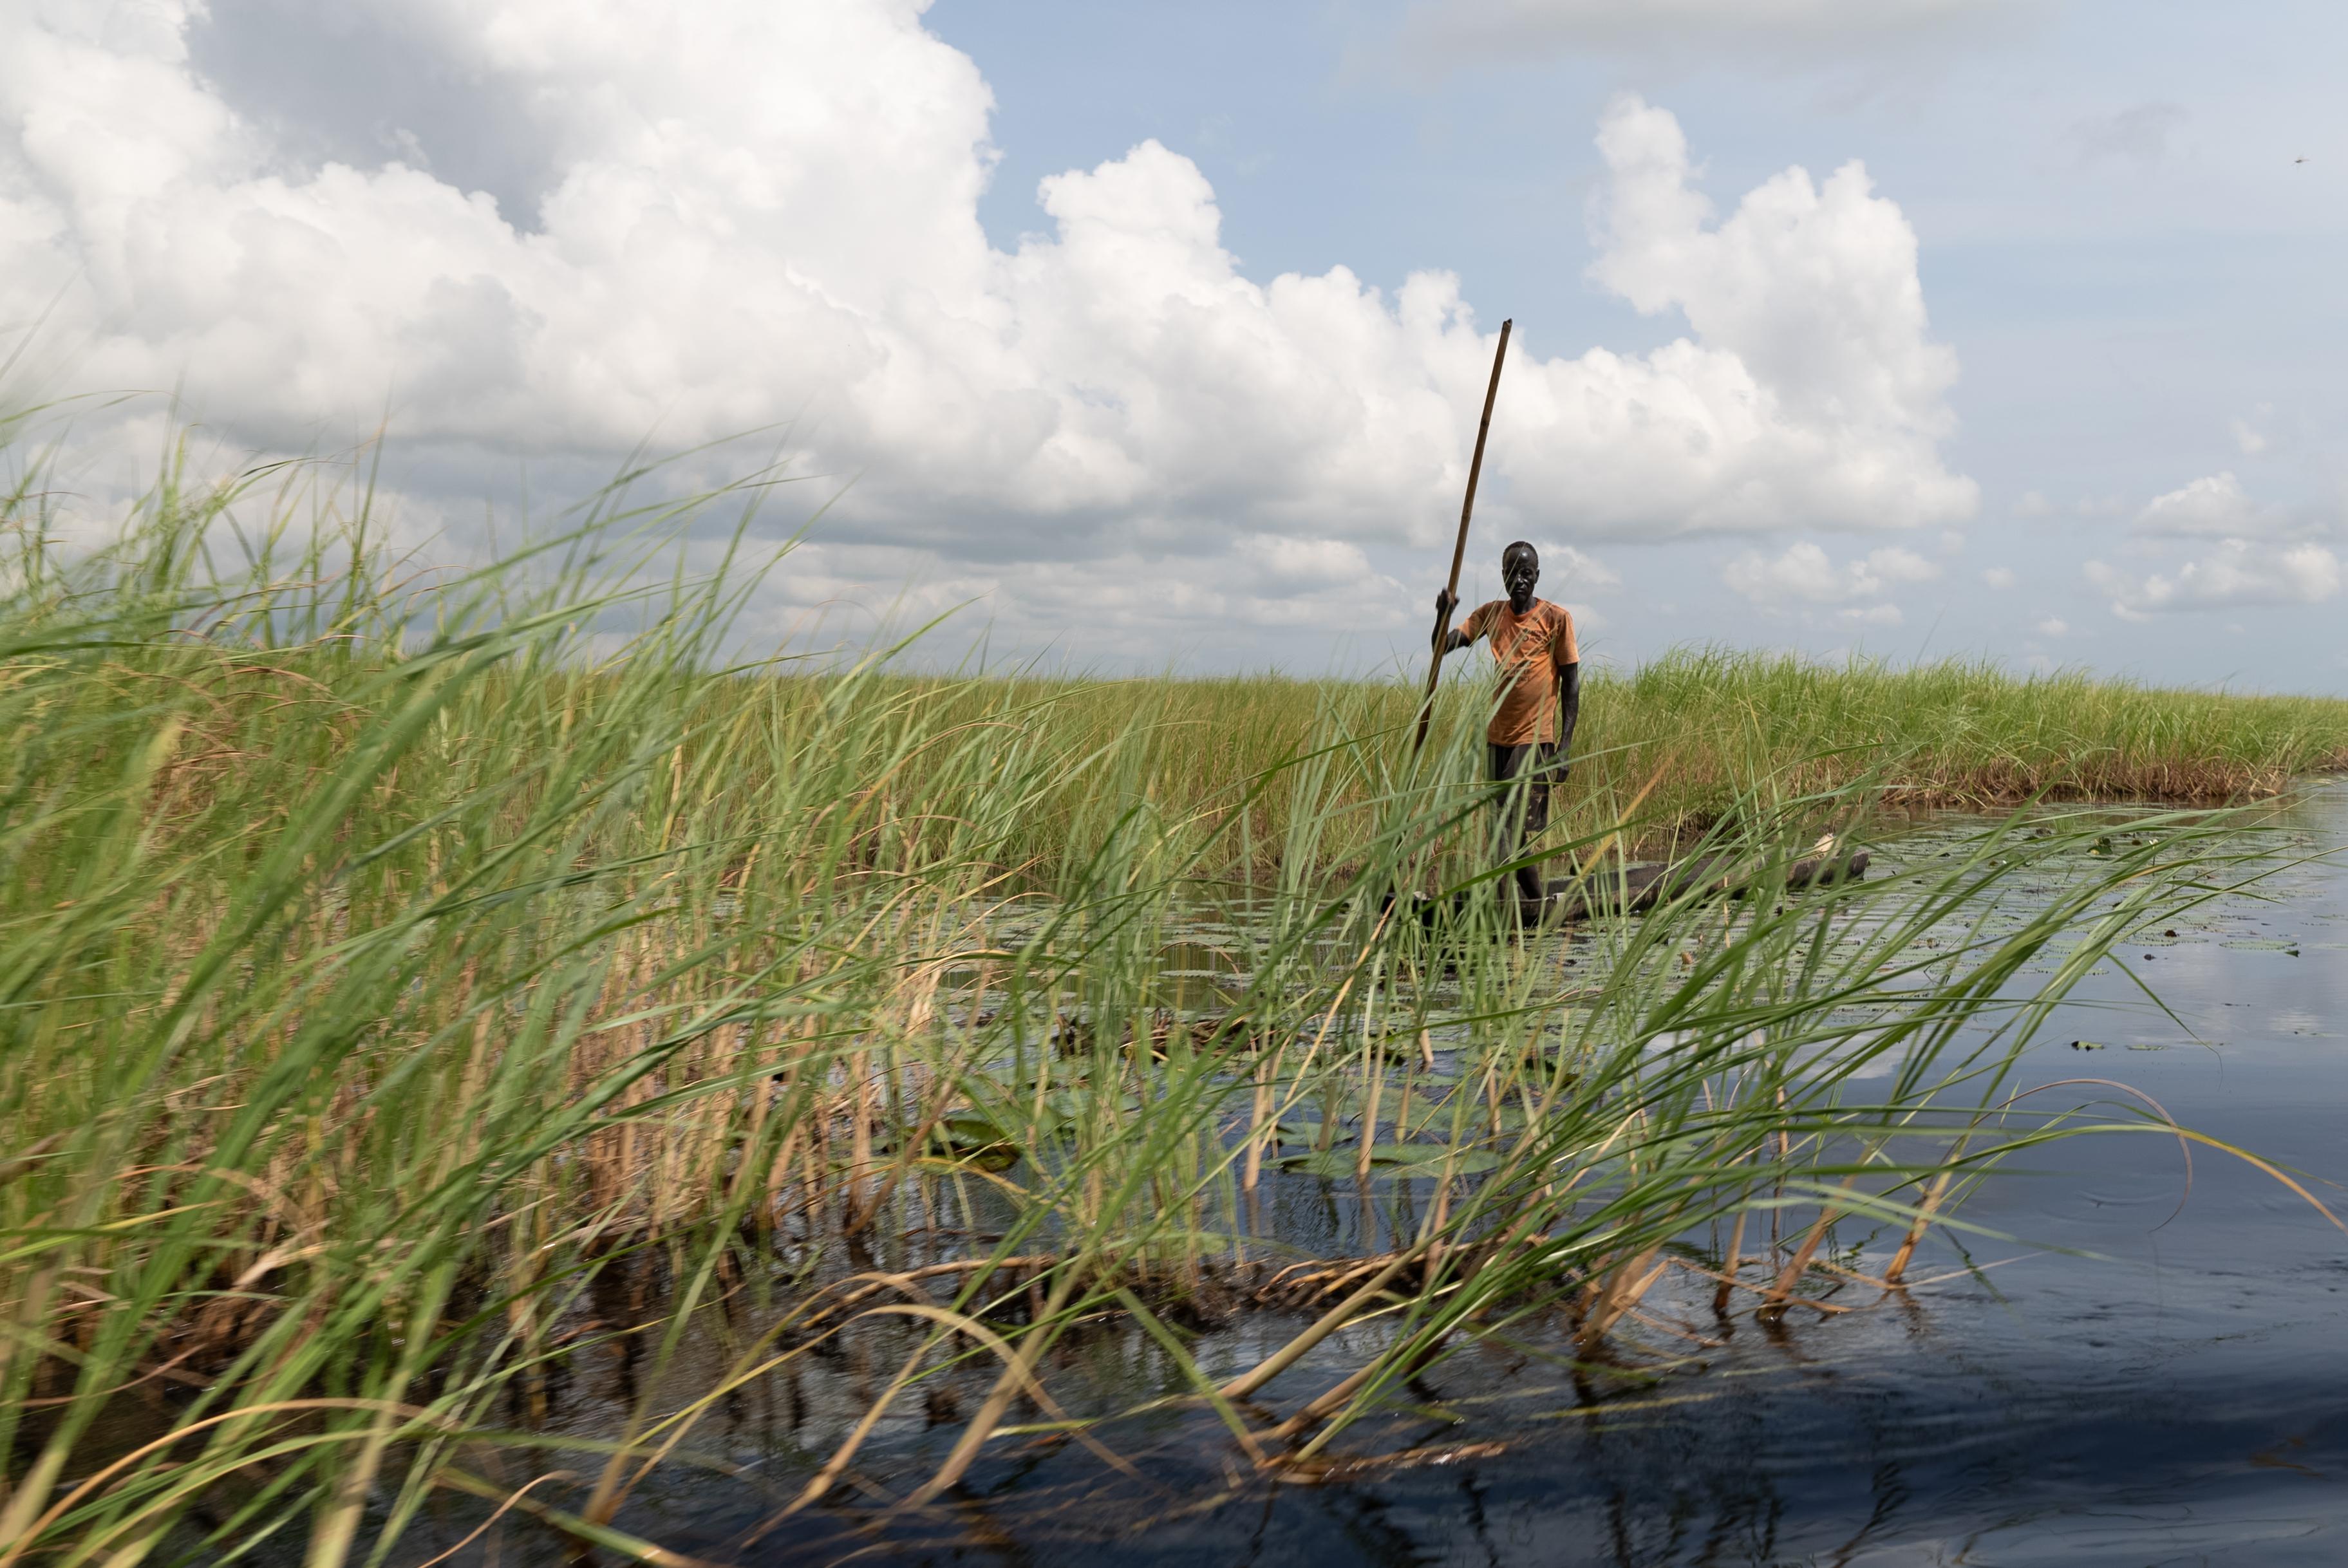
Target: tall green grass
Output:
[(379, 968), (1955, 733)]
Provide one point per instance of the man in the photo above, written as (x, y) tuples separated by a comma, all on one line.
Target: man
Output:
[(1531, 737)]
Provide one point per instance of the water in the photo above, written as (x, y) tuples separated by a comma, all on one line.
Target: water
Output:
[(2126, 1369)]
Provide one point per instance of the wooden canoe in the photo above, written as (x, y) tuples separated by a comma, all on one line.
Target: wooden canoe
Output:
[(1644, 885)]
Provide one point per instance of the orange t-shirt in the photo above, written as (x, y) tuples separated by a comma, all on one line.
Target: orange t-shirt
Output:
[(1529, 649)]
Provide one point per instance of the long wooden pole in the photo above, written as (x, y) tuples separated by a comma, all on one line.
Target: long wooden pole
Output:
[(1459, 549)]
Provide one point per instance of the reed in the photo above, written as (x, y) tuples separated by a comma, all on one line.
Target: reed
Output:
[(385, 970)]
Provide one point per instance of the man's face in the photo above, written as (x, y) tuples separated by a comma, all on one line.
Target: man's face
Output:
[(1521, 571)]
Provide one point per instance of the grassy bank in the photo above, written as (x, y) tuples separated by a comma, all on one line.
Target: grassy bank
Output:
[(1706, 727), (373, 988)]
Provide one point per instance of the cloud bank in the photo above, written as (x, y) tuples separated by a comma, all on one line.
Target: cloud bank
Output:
[(749, 215), (2255, 556), (2236, 573)]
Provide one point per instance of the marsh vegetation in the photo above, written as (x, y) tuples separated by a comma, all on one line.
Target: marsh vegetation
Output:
[(412, 989)]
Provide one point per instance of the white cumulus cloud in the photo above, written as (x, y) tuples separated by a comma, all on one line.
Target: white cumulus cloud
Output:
[(1563, 566), (1805, 574), (2233, 573), (2213, 506), (740, 215), (1808, 296)]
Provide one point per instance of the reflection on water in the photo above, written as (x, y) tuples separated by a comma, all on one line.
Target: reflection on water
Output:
[(2093, 1375)]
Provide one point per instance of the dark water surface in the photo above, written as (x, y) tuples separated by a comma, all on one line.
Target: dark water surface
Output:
[(2115, 1379)]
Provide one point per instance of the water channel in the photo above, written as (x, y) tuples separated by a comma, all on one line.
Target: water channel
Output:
[(2119, 1365)]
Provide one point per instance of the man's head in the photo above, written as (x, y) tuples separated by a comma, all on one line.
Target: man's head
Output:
[(1520, 570)]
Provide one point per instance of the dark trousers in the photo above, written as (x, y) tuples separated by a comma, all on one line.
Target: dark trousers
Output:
[(1522, 808)]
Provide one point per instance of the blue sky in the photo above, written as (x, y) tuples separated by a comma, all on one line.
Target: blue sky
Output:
[(1149, 337)]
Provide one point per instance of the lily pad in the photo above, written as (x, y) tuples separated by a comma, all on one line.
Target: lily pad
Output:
[(970, 1137)]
